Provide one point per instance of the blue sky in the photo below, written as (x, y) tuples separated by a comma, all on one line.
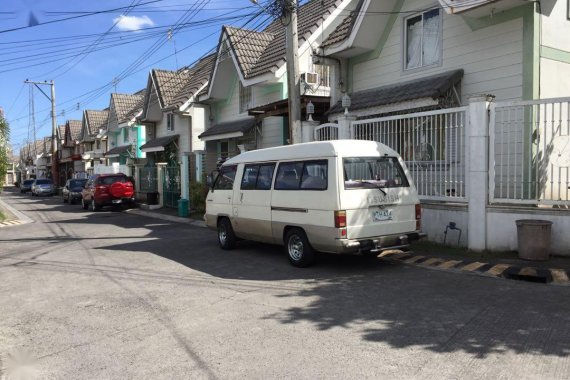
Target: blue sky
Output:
[(62, 51)]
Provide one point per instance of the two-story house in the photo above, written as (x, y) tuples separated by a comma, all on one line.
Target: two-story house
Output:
[(174, 120), (124, 134), (43, 163), (248, 92), (470, 94), (70, 164), (94, 138)]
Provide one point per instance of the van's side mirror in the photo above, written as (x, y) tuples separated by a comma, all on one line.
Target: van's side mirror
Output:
[(211, 179)]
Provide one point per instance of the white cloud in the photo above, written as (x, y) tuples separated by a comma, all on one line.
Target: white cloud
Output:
[(132, 22)]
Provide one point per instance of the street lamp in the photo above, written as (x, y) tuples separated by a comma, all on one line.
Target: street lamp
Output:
[(310, 111), (346, 103)]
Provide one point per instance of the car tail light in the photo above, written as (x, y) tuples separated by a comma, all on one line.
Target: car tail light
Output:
[(340, 219), (418, 216)]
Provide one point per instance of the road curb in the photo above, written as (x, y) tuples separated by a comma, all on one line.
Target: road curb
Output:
[(22, 218), (552, 276), (170, 218)]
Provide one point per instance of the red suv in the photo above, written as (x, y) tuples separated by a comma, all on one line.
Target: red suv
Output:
[(107, 190)]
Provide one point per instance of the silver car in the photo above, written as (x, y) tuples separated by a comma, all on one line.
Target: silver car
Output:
[(43, 187)]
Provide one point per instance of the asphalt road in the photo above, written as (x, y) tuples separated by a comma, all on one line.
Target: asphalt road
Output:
[(113, 295)]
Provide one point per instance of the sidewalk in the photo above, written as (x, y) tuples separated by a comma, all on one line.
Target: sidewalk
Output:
[(13, 216)]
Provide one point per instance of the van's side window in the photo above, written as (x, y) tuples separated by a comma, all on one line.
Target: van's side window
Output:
[(307, 175), (225, 180), (257, 177), (265, 177)]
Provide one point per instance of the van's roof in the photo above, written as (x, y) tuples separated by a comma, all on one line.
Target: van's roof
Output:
[(333, 148)]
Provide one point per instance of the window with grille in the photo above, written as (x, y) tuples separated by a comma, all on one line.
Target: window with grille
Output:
[(170, 122), (244, 98)]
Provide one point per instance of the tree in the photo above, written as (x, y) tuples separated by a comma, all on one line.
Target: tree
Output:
[(4, 156)]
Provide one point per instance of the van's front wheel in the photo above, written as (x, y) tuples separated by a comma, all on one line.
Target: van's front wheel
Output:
[(226, 236), (299, 250)]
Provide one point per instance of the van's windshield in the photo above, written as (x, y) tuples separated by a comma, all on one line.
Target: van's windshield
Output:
[(379, 172)]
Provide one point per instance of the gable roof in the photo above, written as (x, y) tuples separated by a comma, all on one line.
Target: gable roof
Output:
[(433, 87), (96, 120), (342, 32), (126, 106), (61, 131), (74, 129), (174, 88), (259, 53)]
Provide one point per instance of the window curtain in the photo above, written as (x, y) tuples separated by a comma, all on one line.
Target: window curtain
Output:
[(414, 42), (431, 37)]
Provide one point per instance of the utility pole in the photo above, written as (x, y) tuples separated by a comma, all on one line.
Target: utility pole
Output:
[(293, 77), (288, 12), (54, 175)]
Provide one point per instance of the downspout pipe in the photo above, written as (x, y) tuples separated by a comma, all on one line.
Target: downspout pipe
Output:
[(340, 70)]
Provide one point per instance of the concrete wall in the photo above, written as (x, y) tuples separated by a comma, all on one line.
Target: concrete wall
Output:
[(435, 217), (491, 57), (502, 230)]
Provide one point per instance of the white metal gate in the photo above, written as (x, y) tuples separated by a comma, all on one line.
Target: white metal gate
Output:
[(529, 152), (433, 145)]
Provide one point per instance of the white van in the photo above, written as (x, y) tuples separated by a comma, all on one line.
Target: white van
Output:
[(342, 196)]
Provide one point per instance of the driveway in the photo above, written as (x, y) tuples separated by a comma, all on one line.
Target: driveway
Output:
[(116, 295)]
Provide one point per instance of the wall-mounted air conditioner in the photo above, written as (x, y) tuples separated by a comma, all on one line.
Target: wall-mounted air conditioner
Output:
[(311, 78)]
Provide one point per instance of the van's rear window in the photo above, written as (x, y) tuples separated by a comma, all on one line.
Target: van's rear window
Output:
[(367, 172)]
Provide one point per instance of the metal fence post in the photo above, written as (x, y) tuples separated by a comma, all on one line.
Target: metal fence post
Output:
[(160, 185), (477, 171)]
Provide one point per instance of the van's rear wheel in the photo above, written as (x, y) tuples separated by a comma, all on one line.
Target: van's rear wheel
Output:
[(299, 251), (226, 236)]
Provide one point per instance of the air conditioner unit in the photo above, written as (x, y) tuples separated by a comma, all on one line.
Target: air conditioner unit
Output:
[(311, 78)]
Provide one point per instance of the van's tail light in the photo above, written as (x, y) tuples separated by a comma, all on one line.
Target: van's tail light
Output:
[(340, 219), (418, 216)]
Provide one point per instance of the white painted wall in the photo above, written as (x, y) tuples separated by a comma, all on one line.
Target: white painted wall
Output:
[(555, 25), (435, 217), (199, 120), (272, 132), (554, 78), (491, 57)]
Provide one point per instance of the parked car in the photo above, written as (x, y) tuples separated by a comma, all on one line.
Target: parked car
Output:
[(43, 187), (26, 186), (71, 192), (107, 190)]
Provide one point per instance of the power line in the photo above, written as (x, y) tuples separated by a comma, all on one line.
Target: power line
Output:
[(68, 18)]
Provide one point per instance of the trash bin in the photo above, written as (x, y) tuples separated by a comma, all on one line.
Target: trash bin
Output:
[(152, 198), (533, 238), (183, 207)]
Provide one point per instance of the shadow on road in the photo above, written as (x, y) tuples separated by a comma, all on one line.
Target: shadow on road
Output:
[(401, 306)]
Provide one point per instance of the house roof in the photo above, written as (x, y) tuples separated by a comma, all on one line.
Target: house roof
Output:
[(342, 32), (96, 120), (61, 131), (74, 129), (174, 88), (118, 150), (127, 105), (432, 87), (242, 126), (159, 142), (260, 53)]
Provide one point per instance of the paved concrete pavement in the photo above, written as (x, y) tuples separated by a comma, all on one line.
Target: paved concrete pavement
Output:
[(118, 295)]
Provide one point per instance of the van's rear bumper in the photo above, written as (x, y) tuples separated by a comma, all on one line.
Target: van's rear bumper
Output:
[(379, 243)]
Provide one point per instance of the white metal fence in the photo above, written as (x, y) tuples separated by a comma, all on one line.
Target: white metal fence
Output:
[(328, 131), (530, 152), (432, 144)]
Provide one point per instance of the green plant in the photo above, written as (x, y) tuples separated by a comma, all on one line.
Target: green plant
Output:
[(198, 191), (4, 156)]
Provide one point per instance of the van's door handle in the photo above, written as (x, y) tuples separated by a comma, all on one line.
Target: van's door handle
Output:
[(241, 197)]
